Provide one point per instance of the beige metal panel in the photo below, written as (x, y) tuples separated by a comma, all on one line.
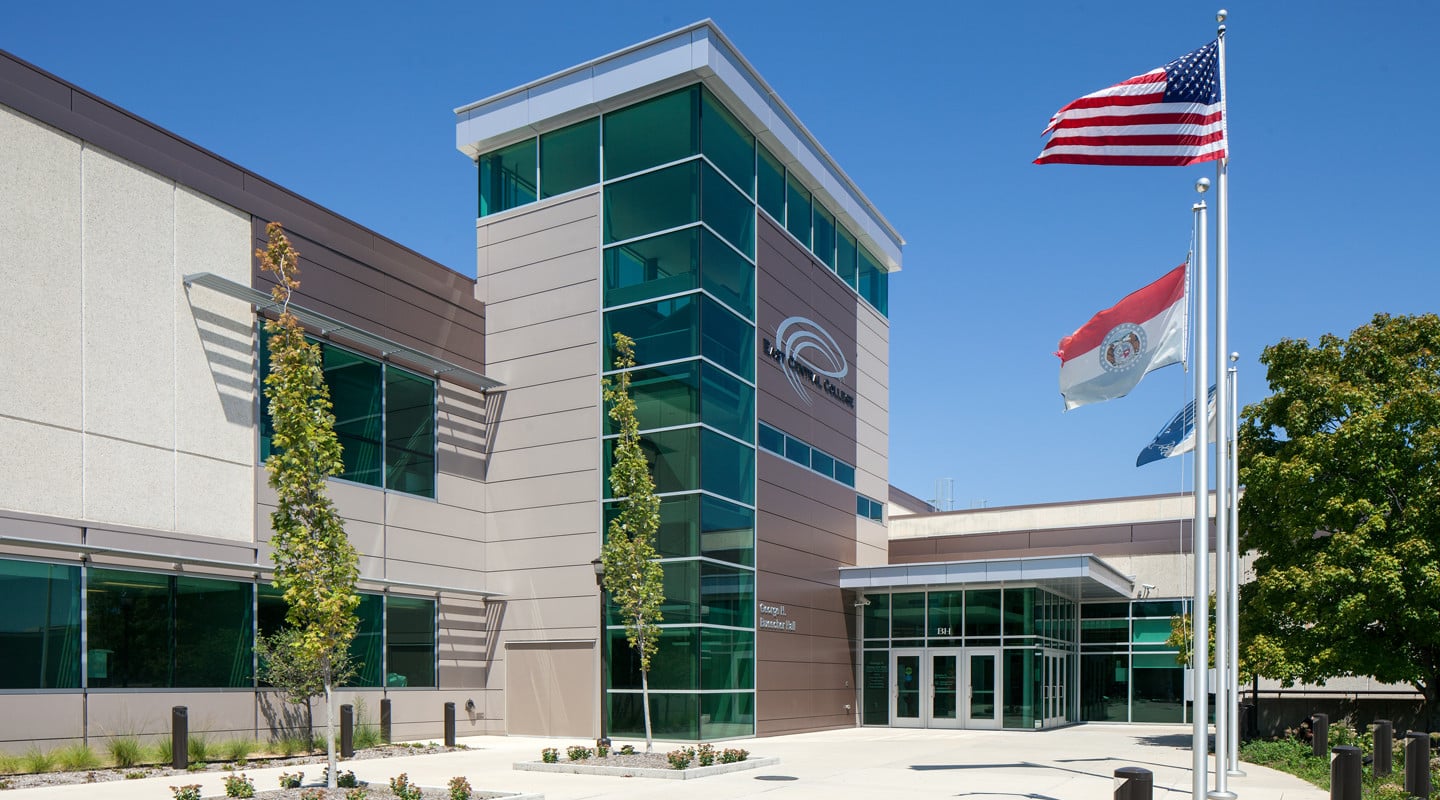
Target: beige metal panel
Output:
[(129, 239), (545, 490), (214, 348), (871, 550), (874, 439), (561, 457), (528, 523), (551, 689), (580, 268), (539, 217), (564, 426), (421, 514), (538, 399), (546, 551), (214, 498), (543, 336), (40, 224), (397, 568), (546, 600), (874, 393), (419, 714), (552, 304), (54, 490), (424, 547), (549, 247), (129, 483), (558, 365), (44, 720), (358, 502), (145, 714), (457, 491)]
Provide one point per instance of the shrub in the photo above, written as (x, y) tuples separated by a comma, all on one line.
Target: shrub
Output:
[(9, 763), (239, 786), (135, 775), (164, 753), (4, 784), (291, 780), (190, 791), (237, 750), (550, 755), (732, 755), (347, 780), (312, 793), (705, 755), (403, 789), (125, 751), (37, 760), (601, 751), (680, 759), (627, 749), (78, 756), (578, 752), (459, 788), (198, 747), (358, 793), (366, 736)]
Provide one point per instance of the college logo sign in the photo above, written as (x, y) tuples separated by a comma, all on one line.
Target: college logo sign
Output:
[(811, 358)]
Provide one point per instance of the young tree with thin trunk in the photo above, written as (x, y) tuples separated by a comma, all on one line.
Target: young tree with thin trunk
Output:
[(315, 564), (634, 579)]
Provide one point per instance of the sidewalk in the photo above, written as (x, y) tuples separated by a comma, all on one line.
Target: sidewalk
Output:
[(1076, 763)]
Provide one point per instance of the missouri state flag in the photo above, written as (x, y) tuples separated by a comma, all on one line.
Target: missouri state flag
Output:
[(1169, 117), (1109, 355)]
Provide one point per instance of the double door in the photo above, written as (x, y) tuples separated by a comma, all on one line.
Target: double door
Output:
[(945, 688)]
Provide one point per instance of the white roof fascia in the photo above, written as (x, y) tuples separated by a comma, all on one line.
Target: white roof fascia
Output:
[(699, 51)]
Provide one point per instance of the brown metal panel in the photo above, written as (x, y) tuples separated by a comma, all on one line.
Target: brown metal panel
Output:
[(913, 549)]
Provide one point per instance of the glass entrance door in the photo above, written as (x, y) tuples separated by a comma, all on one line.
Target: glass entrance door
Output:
[(944, 682), (982, 704), (907, 692), (1057, 667)]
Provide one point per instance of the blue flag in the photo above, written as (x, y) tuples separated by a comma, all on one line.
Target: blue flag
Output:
[(1178, 436)]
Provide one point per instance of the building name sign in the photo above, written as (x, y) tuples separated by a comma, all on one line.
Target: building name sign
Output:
[(774, 618), (812, 359)]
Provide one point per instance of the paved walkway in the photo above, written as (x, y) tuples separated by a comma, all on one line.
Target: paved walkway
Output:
[(1076, 763)]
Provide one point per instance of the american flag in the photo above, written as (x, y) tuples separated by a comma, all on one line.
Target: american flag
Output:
[(1168, 117)]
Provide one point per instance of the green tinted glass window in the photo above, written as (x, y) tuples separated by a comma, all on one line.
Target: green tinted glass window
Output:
[(907, 615), (655, 267), (1019, 612), (727, 339), (1159, 608), (772, 440), (41, 625), (725, 715), (507, 177), (846, 255), (874, 282), (822, 463), (727, 467), (1157, 688), (982, 612), (409, 642), (727, 275), (797, 451), (355, 383), (727, 531), (1099, 631), (664, 396), (570, 158), (726, 403), (728, 212), (1023, 673), (797, 211), (1105, 611), (653, 202), (1150, 631), (770, 184), (674, 457), (367, 650), (673, 715), (409, 432), (824, 236), (876, 702), (727, 597), (845, 473), (651, 133), (727, 143), (666, 330), (1104, 688), (675, 664), (947, 616), (214, 634), (877, 616), (727, 659)]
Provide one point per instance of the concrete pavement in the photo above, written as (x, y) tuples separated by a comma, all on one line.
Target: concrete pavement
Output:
[(1075, 763)]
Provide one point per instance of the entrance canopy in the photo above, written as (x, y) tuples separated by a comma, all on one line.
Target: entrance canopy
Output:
[(1078, 577)]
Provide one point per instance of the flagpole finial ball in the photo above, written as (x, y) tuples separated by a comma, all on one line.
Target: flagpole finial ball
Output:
[(1234, 357), (1203, 185), (1221, 14)]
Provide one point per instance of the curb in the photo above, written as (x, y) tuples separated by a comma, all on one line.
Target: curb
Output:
[(646, 772)]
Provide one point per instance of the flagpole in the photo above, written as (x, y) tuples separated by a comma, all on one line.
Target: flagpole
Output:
[(1234, 744), (1200, 525), (1223, 691)]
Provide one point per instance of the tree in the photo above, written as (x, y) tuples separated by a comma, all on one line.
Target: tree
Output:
[(634, 579), (315, 564), (1341, 467), (1181, 636)]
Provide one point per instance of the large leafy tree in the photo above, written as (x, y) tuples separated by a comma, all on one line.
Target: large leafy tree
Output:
[(316, 566), (634, 579), (1341, 467)]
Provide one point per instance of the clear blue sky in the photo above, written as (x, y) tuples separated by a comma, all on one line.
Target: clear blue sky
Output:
[(935, 109)]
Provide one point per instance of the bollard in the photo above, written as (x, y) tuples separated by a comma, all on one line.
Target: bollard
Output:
[(1345, 773), (1320, 739), (385, 720), (1417, 764), (449, 724), (1249, 726), (180, 737), (347, 731), (1134, 783), (1384, 744)]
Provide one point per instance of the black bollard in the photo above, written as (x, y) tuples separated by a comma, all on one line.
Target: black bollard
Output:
[(179, 737), (449, 724), (1320, 741), (1345, 773), (385, 720), (347, 731), (1134, 783), (1384, 742), (1417, 764)]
